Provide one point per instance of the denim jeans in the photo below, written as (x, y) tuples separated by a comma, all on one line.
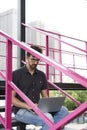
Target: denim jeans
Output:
[(31, 118)]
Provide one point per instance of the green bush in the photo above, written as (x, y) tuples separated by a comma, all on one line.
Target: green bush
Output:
[(81, 96)]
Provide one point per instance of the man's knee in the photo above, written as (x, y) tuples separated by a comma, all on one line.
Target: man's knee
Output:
[(64, 110), (49, 116)]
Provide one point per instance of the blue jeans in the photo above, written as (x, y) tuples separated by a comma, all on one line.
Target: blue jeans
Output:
[(31, 118)]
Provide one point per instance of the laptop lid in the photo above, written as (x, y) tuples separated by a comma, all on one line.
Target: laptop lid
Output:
[(51, 104)]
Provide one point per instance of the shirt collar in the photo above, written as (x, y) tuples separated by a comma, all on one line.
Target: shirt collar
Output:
[(26, 70)]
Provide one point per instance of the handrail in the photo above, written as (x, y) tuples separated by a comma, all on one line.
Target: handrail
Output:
[(3, 76), (60, 43), (54, 64), (2, 120), (50, 35), (10, 85), (60, 35), (50, 32), (65, 93)]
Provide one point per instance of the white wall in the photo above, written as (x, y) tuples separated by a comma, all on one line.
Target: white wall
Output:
[(8, 24)]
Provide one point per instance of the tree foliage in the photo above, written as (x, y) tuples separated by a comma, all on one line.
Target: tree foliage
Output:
[(81, 96)]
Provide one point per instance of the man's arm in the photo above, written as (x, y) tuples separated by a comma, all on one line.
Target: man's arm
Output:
[(44, 93), (16, 102)]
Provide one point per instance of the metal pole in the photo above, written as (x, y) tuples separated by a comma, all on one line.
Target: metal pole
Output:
[(21, 30)]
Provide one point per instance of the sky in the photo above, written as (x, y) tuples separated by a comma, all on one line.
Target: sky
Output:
[(68, 17)]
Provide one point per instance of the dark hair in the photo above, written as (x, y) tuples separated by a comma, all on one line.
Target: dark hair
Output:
[(35, 47)]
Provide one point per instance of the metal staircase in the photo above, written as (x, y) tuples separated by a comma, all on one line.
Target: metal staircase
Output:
[(59, 66)]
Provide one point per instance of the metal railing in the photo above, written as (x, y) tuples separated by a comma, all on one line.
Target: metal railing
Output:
[(63, 49), (10, 85)]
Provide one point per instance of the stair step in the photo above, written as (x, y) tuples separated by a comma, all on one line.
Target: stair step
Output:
[(75, 126)]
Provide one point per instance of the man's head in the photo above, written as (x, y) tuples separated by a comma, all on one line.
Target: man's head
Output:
[(32, 61), (35, 47)]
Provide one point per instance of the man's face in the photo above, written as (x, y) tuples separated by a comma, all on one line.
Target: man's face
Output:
[(32, 62)]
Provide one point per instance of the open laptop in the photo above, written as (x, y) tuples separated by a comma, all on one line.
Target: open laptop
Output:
[(51, 104)]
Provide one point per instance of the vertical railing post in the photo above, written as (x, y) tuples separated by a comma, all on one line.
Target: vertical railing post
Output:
[(8, 88), (60, 56), (86, 52), (54, 74), (74, 63), (47, 53), (21, 30)]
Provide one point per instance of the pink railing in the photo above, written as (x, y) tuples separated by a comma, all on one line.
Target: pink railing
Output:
[(73, 52), (63, 52), (10, 85)]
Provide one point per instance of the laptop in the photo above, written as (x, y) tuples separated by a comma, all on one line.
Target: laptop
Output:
[(51, 104)]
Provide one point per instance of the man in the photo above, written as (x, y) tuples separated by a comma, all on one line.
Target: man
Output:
[(32, 82)]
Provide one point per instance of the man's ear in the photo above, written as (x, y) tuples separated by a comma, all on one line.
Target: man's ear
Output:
[(26, 57)]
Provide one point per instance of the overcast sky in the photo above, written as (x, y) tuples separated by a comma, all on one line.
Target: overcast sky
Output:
[(68, 17)]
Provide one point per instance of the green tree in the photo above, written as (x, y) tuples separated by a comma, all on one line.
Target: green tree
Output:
[(81, 96)]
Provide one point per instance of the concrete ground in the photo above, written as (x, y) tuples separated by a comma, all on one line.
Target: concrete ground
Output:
[(75, 126)]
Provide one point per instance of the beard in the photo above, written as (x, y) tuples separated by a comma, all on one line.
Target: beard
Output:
[(33, 66)]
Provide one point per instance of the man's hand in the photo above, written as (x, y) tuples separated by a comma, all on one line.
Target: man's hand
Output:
[(28, 107)]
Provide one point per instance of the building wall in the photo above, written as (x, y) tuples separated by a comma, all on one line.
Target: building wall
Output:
[(8, 24), (35, 37)]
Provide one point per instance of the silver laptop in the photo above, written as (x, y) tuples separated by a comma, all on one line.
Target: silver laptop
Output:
[(52, 104)]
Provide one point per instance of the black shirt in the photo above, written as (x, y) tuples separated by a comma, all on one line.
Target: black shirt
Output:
[(30, 85)]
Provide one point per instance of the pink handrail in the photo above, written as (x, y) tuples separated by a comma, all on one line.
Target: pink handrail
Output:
[(59, 67), (2, 75), (61, 42), (59, 34), (48, 33), (65, 93), (2, 120), (10, 85)]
